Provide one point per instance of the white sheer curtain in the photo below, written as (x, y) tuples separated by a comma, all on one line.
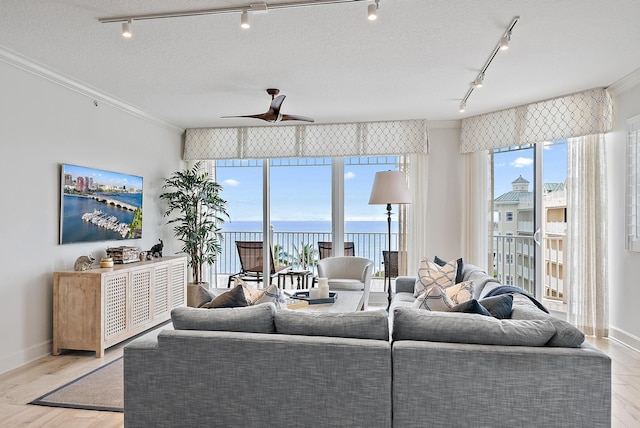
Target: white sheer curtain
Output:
[(417, 236), (475, 216), (586, 261)]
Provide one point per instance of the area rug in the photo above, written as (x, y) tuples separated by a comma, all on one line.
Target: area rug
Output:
[(101, 389)]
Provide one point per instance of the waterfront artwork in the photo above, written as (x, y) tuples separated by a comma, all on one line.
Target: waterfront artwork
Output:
[(99, 205)]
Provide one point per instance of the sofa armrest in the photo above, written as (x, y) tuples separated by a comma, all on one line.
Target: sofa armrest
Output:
[(498, 385), (405, 284)]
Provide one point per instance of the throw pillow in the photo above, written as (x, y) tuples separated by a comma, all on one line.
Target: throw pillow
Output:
[(270, 294), (251, 319), (471, 307), (199, 296), (461, 292), (248, 289), (230, 299), (430, 274), (498, 306), (434, 299), (459, 273)]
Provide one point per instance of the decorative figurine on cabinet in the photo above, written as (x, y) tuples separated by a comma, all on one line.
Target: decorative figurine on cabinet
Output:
[(156, 250)]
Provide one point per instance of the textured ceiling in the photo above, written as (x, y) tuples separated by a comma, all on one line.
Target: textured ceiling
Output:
[(415, 61)]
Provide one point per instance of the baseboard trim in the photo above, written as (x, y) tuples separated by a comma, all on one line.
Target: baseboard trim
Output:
[(25, 356), (625, 338)]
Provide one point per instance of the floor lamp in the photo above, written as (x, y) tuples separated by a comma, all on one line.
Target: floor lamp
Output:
[(389, 187)]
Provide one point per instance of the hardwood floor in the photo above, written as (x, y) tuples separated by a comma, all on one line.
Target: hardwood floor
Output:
[(26, 383)]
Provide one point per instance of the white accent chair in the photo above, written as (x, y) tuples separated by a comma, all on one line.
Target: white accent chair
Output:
[(347, 273)]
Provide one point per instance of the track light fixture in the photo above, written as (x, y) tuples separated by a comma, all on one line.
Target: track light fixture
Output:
[(243, 10), (126, 29), (503, 44), (372, 10), (244, 20), (479, 81)]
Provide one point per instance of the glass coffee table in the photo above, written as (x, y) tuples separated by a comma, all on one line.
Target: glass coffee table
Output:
[(346, 301)]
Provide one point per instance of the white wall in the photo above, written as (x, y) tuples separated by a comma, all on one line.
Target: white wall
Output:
[(445, 191), (44, 124), (624, 266)]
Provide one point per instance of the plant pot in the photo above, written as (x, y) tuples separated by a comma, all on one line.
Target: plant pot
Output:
[(198, 294)]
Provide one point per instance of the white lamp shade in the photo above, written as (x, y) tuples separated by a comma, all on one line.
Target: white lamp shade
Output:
[(390, 187)]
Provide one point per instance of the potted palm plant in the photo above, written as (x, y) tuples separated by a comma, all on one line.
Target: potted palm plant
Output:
[(195, 197)]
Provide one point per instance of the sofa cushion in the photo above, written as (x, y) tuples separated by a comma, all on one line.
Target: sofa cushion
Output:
[(357, 325), (499, 306), (459, 271), (412, 324), (250, 319), (567, 336), (234, 298), (430, 274)]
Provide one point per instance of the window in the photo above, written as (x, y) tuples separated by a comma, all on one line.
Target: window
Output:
[(508, 280), (303, 206), (509, 216), (509, 259)]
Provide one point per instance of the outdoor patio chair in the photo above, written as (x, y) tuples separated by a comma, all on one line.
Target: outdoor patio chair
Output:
[(324, 249), (250, 254), (348, 273)]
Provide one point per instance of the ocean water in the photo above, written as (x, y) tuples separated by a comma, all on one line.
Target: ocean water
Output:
[(74, 229), (310, 226)]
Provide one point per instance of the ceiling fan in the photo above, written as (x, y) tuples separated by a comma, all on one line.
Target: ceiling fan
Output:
[(273, 114)]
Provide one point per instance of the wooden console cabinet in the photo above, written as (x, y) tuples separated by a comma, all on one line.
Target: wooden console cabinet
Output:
[(98, 308)]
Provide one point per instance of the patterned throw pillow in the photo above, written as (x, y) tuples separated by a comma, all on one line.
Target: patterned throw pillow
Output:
[(270, 294), (461, 292), (434, 298), (255, 296), (430, 274)]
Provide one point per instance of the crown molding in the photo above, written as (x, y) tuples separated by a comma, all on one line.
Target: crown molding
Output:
[(19, 61), (630, 81)]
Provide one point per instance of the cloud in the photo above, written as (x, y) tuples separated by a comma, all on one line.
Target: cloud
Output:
[(231, 182), (521, 162), (499, 165), (349, 175)]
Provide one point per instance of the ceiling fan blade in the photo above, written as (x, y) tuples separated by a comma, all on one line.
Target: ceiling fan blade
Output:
[(264, 116), (276, 103), (296, 117)]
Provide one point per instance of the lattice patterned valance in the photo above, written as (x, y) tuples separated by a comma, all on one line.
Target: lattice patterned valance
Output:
[(334, 140), (584, 113)]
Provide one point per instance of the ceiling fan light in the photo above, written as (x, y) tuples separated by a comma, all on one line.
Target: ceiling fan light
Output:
[(244, 20), (126, 29), (463, 107)]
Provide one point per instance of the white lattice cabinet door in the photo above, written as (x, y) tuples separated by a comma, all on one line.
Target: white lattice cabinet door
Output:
[(98, 308)]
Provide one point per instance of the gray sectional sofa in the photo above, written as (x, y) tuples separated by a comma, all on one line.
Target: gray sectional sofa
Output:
[(262, 367)]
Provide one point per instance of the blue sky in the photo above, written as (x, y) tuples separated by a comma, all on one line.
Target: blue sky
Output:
[(299, 193), (509, 165), (303, 193), (104, 177)]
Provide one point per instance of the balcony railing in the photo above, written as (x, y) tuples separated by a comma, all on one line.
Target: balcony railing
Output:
[(514, 263), (289, 249)]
